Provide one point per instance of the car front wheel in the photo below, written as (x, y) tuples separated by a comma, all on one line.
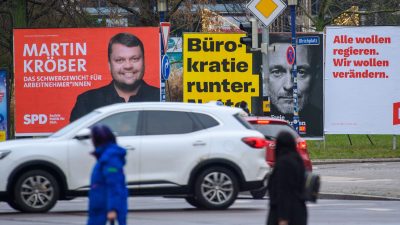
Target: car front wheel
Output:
[(13, 205), (216, 188), (35, 191), (194, 202)]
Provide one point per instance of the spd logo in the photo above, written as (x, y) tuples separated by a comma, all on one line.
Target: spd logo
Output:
[(35, 119)]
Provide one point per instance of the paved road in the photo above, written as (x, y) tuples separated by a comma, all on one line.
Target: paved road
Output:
[(163, 211), (355, 179), (370, 179)]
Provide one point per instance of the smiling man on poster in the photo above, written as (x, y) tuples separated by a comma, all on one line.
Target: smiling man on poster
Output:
[(56, 65), (127, 65)]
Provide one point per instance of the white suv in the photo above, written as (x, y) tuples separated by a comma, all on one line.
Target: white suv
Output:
[(204, 153)]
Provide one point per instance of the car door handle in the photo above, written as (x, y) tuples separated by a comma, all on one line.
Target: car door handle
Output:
[(199, 143), (129, 147)]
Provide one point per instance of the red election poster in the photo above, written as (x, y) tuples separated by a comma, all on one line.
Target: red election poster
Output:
[(54, 66)]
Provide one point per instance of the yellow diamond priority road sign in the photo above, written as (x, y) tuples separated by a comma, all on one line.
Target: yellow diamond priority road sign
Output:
[(266, 10)]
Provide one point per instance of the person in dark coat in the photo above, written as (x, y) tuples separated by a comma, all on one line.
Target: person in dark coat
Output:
[(286, 185), (243, 105), (108, 195)]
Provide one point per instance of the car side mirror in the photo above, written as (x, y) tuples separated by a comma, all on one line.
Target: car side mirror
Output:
[(83, 134)]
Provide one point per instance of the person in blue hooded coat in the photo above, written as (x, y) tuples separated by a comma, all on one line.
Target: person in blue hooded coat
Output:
[(108, 195)]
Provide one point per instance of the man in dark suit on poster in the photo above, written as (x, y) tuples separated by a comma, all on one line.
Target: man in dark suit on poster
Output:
[(279, 84), (127, 65)]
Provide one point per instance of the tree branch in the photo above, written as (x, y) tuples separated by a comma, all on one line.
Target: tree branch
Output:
[(307, 14), (361, 13), (9, 14), (61, 19), (5, 44), (378, 11), (35, 2), (45, 11), (174, 9), (122, 6)]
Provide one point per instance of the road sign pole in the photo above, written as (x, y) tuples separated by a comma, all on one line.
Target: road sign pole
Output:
[(254, 33), (292, 5), (264, 51), (164, 30)]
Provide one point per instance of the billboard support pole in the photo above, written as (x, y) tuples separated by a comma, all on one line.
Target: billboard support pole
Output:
[(348, 137), (370, 140), (293, 4), (394, 142)]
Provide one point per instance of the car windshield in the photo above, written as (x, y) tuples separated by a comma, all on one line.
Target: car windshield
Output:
[(272, 130), (74, 124)]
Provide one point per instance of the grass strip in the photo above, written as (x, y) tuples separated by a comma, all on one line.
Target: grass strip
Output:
[(354, 147)]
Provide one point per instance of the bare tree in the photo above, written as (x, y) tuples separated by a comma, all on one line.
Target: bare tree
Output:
[(37, 14), (377, 12)]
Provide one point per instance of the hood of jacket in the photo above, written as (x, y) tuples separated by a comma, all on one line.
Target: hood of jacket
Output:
[(105, 152)]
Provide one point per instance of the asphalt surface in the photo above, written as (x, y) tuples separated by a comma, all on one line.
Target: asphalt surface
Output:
[(376, 179), (169, 211)]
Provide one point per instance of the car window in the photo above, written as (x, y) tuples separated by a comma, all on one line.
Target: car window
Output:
[(272, 130), (160, 122), (74, 124), (206, 120), (122, 124)]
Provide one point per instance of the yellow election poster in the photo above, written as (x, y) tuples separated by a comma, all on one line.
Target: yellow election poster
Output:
[(216, 67)]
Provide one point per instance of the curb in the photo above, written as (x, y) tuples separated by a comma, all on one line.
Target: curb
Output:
[(339, 196), (340, 161), (335, 196)]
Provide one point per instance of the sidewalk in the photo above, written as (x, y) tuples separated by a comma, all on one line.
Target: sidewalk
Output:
[(337, 161), (358, 179), (342, 196)]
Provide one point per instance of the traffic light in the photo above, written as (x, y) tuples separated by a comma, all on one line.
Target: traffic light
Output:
[(251, 28)]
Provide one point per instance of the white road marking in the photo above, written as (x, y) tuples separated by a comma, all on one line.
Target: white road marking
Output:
[(334, 179), (378, 209), (319, 204), (241, 201)]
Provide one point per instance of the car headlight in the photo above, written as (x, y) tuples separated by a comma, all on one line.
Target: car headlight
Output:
[(4, 153)]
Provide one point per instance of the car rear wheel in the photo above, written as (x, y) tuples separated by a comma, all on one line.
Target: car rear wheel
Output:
[(35, 191), (216, 188), (259, 193)]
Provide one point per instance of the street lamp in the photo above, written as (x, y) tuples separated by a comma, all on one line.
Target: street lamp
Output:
[(162, 8), (162, 5)]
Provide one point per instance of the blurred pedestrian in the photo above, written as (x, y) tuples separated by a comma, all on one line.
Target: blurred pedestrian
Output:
[(286, 185), (108, 195)]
